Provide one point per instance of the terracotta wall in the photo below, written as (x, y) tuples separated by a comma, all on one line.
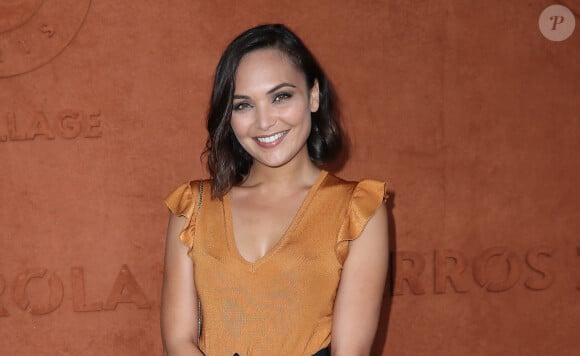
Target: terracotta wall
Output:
[(468, 111)]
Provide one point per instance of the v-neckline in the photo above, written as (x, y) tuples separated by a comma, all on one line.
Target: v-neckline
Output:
[(229, 226)]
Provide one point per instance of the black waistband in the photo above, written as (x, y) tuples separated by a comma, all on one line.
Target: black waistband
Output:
[(323, 352)]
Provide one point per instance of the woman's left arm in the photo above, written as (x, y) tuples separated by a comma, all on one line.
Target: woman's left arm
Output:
[(359, 298)]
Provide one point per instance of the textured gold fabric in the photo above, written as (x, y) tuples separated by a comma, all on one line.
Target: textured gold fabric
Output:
[(282, 303)]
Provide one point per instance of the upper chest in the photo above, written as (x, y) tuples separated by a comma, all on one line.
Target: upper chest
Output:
[(264, 215), (258, 223)]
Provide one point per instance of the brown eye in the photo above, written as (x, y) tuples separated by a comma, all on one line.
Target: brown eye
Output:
[(241, 106), (282, 96)]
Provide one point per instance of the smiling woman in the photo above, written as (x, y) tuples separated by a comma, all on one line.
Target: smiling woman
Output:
[(272, 254), (272, 108)]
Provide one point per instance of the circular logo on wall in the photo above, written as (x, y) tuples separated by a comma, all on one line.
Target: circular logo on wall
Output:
[(34, 32), (557, 22)]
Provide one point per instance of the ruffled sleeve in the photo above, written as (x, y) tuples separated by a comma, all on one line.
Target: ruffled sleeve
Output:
[(183, 202), (367, 197)]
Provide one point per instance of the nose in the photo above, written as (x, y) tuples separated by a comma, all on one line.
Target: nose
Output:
[(265, 118)]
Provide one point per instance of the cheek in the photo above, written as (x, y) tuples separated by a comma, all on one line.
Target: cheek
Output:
[(297, 115), (239, 125)]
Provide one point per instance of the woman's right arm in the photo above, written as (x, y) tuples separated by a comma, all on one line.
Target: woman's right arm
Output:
[(178, 297)]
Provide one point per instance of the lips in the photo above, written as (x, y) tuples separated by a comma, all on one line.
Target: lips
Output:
[(272, 140)]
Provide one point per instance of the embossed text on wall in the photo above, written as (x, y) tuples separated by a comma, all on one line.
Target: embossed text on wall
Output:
[(34, 32), (496, 269), (40, 291), (66, 124)]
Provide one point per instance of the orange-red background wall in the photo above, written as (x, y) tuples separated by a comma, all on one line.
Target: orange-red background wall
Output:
[(463, 106)]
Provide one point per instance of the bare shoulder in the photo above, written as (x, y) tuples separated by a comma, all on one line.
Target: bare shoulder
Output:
[(376, 228), (176, 224)]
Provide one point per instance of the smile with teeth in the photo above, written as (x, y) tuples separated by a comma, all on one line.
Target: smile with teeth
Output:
[(272, 138)]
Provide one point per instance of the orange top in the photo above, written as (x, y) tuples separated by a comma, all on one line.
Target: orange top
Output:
[(281, 304)]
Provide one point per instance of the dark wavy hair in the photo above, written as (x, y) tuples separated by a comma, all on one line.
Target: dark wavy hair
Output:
[(227, 161)]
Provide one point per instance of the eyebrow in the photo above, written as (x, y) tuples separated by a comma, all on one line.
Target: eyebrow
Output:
[(279, 86)]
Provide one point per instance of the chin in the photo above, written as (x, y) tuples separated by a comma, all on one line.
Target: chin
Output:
[(274, 162)]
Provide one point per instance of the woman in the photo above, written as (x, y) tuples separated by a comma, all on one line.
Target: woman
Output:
[(259, 250)]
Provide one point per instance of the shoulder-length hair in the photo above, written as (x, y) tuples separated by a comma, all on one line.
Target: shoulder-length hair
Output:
[(228, 163)]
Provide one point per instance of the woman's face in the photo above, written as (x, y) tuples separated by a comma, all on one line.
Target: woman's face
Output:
[(272, 107)]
